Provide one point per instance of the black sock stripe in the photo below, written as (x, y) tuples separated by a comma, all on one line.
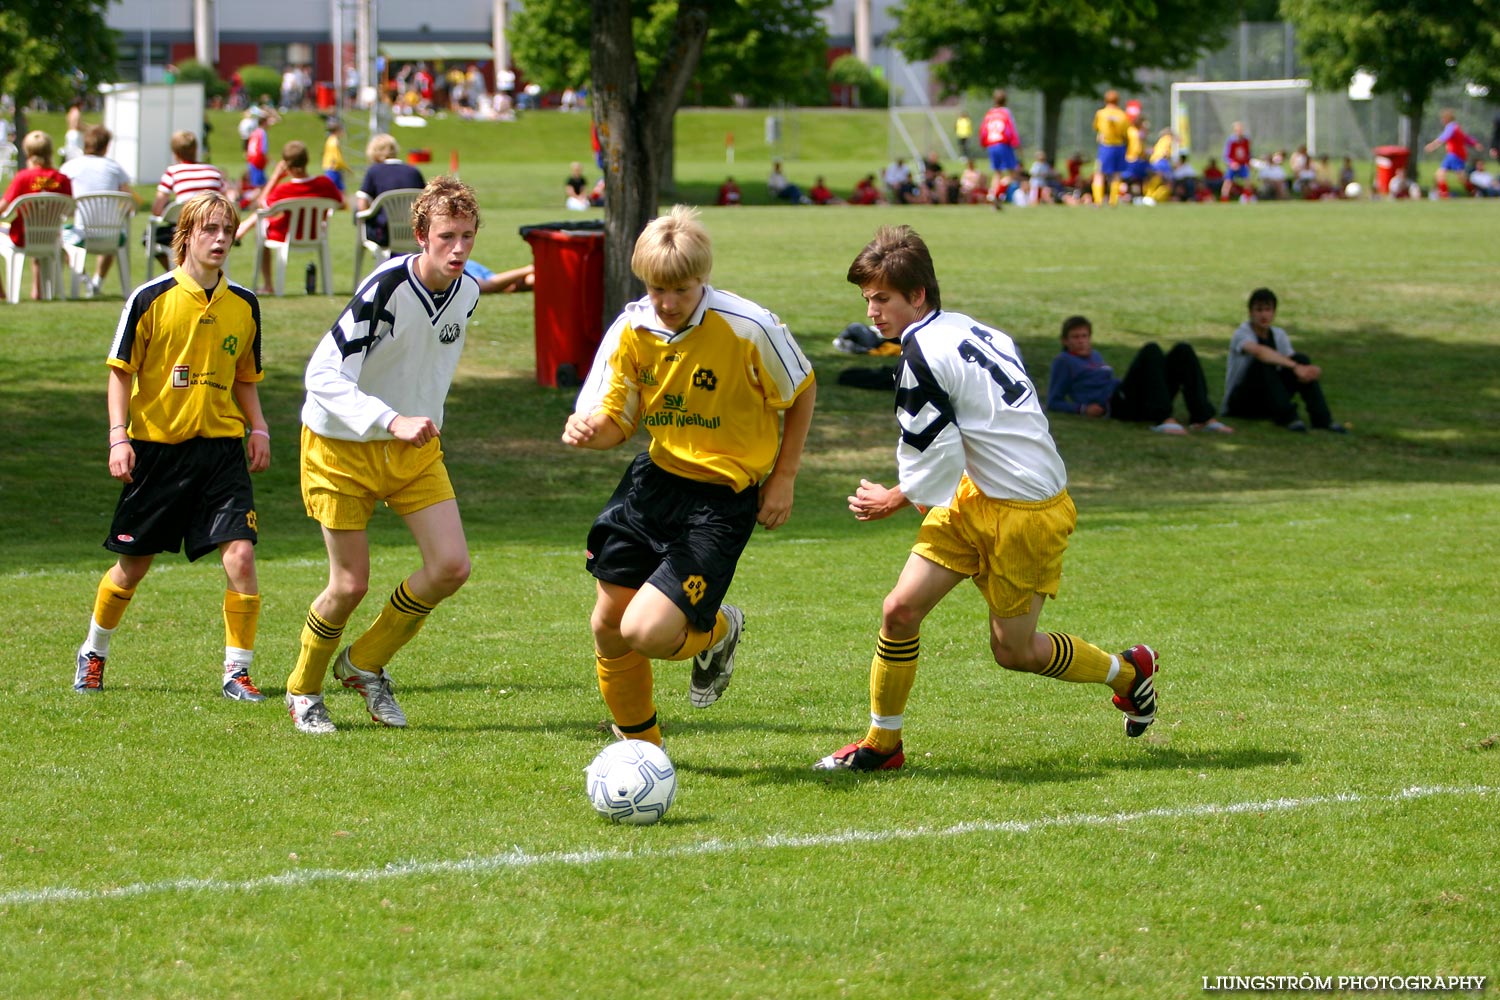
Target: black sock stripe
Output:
[(321, 628), (642, 727), (1062, 654), (403, 600)]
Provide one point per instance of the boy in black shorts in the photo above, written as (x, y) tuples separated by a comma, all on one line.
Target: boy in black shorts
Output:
[(727, 396), (183, 374)]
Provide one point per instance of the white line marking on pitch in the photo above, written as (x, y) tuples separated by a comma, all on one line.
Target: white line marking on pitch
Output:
[(518, 858)]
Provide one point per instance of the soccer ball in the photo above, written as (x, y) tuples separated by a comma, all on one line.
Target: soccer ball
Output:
[(1353, 190), (631, 781)]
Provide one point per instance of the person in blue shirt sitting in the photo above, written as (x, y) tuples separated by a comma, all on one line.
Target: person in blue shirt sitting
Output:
[(1080, 382)]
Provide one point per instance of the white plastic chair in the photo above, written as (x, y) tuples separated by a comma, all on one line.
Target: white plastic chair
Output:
[(43, 215), (168, 217), (307, 216), (396, 204), (103, 224)]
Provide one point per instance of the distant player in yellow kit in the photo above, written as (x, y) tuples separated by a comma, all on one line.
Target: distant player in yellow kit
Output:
[(1111, 124), (727, 396)]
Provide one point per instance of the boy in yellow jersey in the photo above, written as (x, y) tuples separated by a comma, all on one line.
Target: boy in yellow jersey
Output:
[(184, 368), (376, 388), (727, 397), (1110, 124), (975, 450)]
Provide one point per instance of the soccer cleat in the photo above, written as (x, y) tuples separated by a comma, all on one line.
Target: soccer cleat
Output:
[(713, 667), (858, 757), (376, 688), (239, 687), (89, 677), (1140, 706), (308, 713)]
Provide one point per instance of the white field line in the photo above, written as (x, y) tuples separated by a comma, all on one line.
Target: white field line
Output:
[(520, 859)]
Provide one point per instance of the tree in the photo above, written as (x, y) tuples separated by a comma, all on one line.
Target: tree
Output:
[(1062, 48), (53, 50), (759, 50), (634, 117), (1412, 47)]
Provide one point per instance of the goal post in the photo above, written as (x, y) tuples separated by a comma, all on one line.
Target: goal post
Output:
[(1276, 113)]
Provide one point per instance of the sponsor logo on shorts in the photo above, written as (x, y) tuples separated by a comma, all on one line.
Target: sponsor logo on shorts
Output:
[(127, 539), (694, 588), (180, 376), (250, 521)]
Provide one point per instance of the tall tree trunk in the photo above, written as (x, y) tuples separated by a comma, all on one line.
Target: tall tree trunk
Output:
[(1052, 102), (1413, 107), (635, 128)]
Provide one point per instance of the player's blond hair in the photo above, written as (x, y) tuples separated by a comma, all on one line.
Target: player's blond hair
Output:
[(443, 196), (185, 146), (38, 148), (197, 211), (382, 147), (672, 249)]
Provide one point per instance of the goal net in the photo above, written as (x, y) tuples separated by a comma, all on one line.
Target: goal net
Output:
[(1277, 114)]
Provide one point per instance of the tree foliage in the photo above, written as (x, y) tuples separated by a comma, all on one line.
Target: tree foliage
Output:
[(54, 49), (1411, 46), (761, 50), (1062, 48)]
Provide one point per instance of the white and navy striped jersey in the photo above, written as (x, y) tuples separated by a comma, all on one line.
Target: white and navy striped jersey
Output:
[(392, 352), (966, 404)]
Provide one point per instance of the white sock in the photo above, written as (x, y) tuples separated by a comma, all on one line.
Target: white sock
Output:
[(236, 659), (98, 640)]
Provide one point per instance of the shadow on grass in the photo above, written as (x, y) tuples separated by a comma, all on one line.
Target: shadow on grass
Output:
[(517, 483), (1055, 770)]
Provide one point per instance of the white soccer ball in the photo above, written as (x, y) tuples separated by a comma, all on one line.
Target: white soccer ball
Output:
[(1353, 190), (631, 781)]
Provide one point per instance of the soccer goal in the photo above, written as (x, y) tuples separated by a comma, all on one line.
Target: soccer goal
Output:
[(1277, 114)]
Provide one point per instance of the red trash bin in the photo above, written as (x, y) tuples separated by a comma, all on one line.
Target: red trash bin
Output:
[(568, 298), (1388, 159), (327, 99)]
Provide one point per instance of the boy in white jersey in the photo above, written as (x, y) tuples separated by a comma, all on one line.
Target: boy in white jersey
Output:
[(975, 449), (376, 386), (184, 374), (727, 396)]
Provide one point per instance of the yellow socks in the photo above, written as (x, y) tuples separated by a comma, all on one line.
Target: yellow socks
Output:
[(1084, 663), (696, 642), (625, 682), (319, 641), (241, 619), (892, 672), (110, 602), (400, 620)]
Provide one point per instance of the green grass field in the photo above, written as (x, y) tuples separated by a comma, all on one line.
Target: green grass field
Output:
[(1318, 797)]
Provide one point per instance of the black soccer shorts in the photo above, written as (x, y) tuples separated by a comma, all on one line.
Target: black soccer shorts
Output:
[(682, 536), (196, 492)]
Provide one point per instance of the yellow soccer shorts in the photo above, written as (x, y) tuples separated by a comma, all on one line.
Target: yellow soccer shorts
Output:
[(1012, 549), (343, 480)]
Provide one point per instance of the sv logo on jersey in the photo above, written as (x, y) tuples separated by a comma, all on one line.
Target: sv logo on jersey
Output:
[(648, 376), (694, 588), (674, 401), (449, 333), (704, 378)]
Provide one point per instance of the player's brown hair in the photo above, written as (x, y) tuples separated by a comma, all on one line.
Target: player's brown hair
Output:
[(443, 196), (897, 258), (96, 140)]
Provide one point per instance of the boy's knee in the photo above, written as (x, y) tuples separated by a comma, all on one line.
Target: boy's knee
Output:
[(898, 618)]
